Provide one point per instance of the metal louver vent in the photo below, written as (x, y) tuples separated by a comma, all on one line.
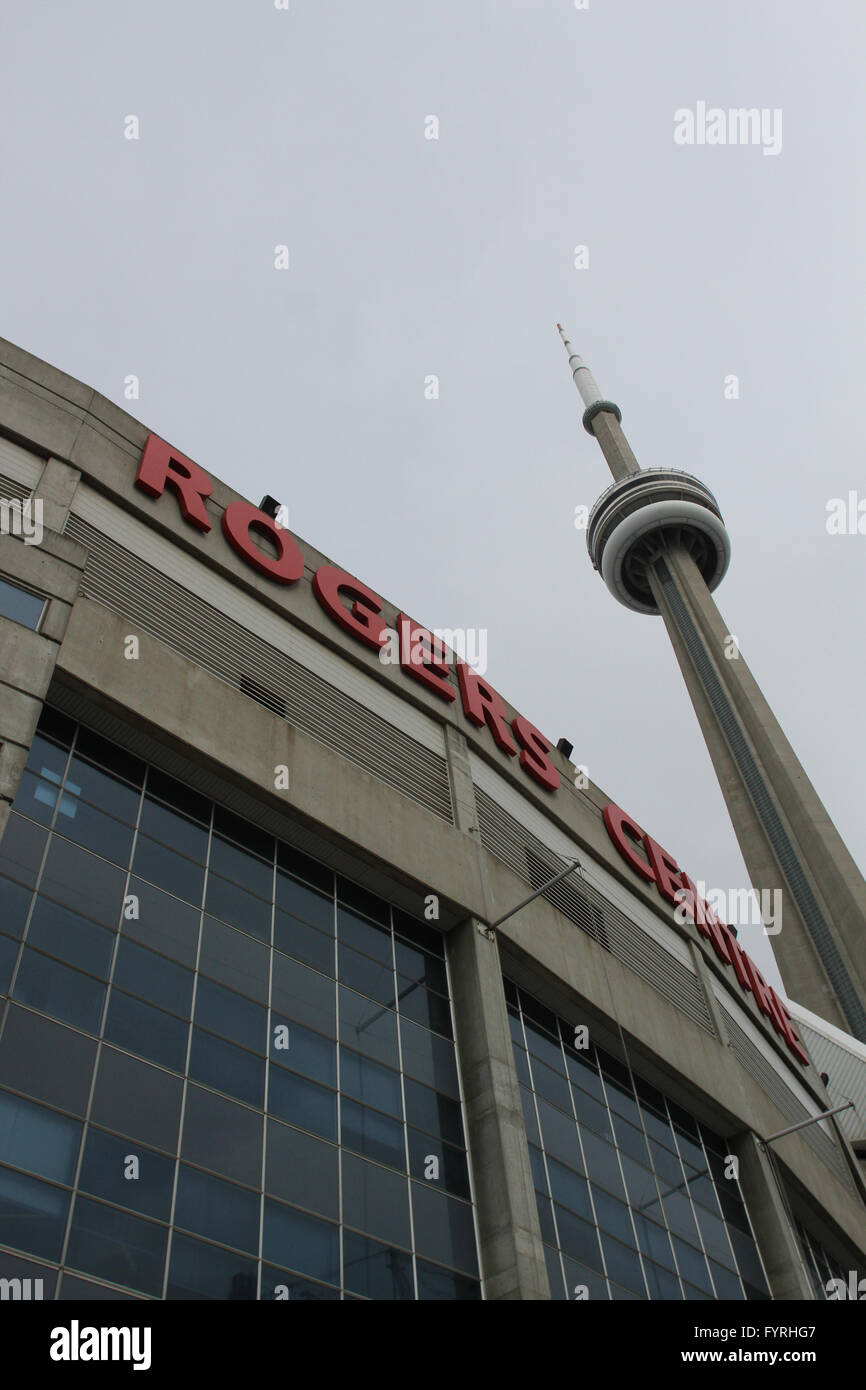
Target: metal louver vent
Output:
[(769, 1080), (121, 581), (9, 488), (586, 908)]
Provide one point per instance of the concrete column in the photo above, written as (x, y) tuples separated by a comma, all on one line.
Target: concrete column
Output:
[(777, 1239), (512, 1258)]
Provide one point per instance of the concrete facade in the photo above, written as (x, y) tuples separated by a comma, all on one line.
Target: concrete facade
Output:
[(372, 819)]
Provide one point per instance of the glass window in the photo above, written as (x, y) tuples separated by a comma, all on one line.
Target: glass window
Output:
[(444, 1230), (453, 1175), (147, 1031), (137, 1099), (640, 1184), (418, 965), (631, 1141), (37, 1139), (364, 936), (163, 823), (303, 1103), (547, 1049), (14, 1267), (8, 957), (222, 1135), (57, 989), (154, 978), (375, 1200), (302, 995), (579, 1274), (74, 1290), (14, 905), (179, 796), (239, 907), (296, 863), (748, 1260), (445, 1286), (99, 750), (422, 1005), (227, 1068), (46, 1060), (222, 1011), (103, 789), (623, 1265), (429, 1058), (554, 1274), (551, 1085), (419, 933), (297, 900), (245, 869), (298, 1241), (88, 826), (613, 1216), (373, 1134), (593, 1114), (20, 605), (536, 1163), (162, 867), (308, 1053), (198, 1271), (368, 904), (107, 1171), (163, 922), (692, 1265), (36, 797), (601, 1163), (302, 1170), (209, 1206), (21, 848), (370, 977), (577, 1238), (560, 1135), (662, 1283), (375, 1270), (83, 882), (368, 1027), (545, 1218), (715, 1238), (371, 1083), (569, 1189), (303, 942), (726, 1282), (438, 1114), (62, 933), (243, 832), (32, 1215), (680, 1217), (47, 758), (233, 959)]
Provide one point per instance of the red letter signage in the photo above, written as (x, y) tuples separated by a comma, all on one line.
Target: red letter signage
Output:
[(160, 464)]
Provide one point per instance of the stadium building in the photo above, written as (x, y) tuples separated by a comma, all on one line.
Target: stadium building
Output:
[(277, 1019)]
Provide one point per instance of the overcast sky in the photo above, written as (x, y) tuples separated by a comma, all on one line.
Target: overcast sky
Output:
[(411, 257)]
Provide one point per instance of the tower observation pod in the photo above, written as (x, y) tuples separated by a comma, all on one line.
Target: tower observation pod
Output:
[(657, 538)]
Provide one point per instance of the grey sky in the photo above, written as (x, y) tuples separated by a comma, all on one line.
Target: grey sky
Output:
[(454, 256)]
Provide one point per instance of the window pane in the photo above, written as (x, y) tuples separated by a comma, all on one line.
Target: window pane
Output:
[(551, 1085), (364, 936), (298, 900), (363, 901), (453, 1175), (444, 1229), (32, 1215), (594, 1282), (368, 1027), (8, 957), (247, 870), (153, 977), (36, 797), (37, 1139), (163, 922), (303, 995), (62, 933), (303, 1103), (425, 1007), (137, 1099), (178, 796), (370, 977), (83, 882), (578, 1238), (300, 866), (227, 1068), (161, 866), (46, 1060), (301, 1242), (222, 1135), (179, 832), (106, 1171), (56, 989), (304, 942), (418, 965), (569, 1188), (278, 1285), (47, 758), (371, 1083), (623, 1265), (419, 933), (238, 907), (146, 1031), (302, 1170), (375, 1200), (372, 1134), (223, 1011), (210, 1207), (308, 1053), (102, 789), (438, 1114), (14, 906), (21, 848), (601, 1163), (200, 1271), (375, 1270), (19, 605), (613, 1217), (560, 1135), (230, 957), (90, 827), (429, 1058)]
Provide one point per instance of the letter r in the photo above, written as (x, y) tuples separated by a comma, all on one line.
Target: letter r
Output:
[(160, 464)]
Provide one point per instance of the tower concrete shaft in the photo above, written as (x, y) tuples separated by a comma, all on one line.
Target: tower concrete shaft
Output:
[(658, 539)]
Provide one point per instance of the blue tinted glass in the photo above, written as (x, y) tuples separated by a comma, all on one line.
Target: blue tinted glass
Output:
[(418, 965), (32, 1215), (230, 1014), (300, 901), (163, 823), (372, 1134), (147, 1031), (37, 1139), (19, 605), (56, 989), (448, 1173), (569, 1188), (364, 936), (227, 1068), (430, 1110), (63, 933), (371, 1083), (208, 1206), (113, 1245), (375, 1200), (444, 1229), (232, 862), (302, 1170), (302, 1102), (21, 849), (14, 906), (102, 789), (198, 1271), (623, 1265), (376, 1271), (578, 1238), (371, 977), (304, 942), (303, 995), (47, 758), (37, 796), (83, 882), (368, 1027), (107, 1170), (305, 1052), (279, 1285), (153, 977), (161, 866), (297, 1241), (8, 956), (425, 1007), (88, 826), (238, 907), (429, 1058)]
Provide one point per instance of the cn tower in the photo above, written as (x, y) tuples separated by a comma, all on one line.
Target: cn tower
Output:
[(657, 538)]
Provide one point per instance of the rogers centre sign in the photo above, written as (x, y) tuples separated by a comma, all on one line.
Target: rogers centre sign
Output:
[(676, 887), (357, 609)]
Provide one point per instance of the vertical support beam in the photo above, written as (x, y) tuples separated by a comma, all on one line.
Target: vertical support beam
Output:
[(512, 1258), (777, 1239)]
